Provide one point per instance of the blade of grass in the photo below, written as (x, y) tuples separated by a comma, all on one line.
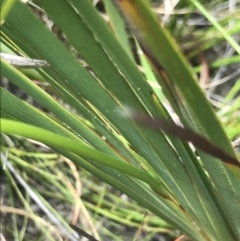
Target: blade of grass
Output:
[(211, 19), (118, 26), (10, 127), (6, 7)]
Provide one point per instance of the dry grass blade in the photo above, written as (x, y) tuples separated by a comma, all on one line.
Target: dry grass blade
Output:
[(187, 135), (80, 231), (21, 62)]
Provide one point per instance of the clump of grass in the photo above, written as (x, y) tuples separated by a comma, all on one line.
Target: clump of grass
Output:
[(50, 190)]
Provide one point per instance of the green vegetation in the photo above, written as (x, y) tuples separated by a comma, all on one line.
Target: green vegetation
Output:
[(107, 170)]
